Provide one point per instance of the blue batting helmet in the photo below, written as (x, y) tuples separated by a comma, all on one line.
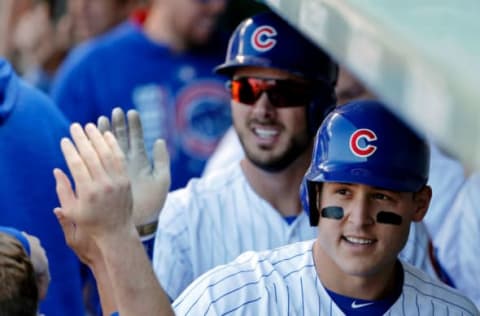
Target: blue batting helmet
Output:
[(363, 142), (266, 40)]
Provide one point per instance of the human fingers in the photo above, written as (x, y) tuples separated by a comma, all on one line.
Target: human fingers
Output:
[(101, 147), (119, 127), (118, 161), (161, 160), (75, 164), (103, 124), (65, 193), (87, 152), (137, 145)]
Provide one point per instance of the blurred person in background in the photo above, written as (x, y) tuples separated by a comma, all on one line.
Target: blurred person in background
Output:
[(19, 293), (31, 127), (38, 36), (90, 18), (24, 273), (457, 241), (163, 69)]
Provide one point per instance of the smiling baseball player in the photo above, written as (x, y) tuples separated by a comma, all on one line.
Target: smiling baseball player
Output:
[(363, 196)]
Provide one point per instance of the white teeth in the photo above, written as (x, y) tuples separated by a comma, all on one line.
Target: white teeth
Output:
[(265, 133), (360, 241)]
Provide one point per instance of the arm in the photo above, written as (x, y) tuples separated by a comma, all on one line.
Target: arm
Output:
[(101, 207)]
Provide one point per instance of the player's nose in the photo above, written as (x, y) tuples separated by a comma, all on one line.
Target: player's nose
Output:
[(360, 212), (263, 107)]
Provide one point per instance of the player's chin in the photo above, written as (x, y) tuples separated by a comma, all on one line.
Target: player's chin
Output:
[(360, 269)]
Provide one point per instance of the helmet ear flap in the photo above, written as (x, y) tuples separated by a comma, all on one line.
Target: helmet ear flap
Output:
[(308, 197)]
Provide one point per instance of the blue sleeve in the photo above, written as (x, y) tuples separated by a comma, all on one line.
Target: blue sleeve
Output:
[(115, 314)]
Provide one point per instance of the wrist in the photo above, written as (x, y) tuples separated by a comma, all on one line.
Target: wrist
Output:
[(147, 236), (113, 240), (148, 229)]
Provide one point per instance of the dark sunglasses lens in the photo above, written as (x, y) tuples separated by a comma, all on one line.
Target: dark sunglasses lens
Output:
[(281, 93), (289, 94), (243, 92)]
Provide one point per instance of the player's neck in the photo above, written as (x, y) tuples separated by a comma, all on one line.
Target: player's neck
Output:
[(158, 28), (373, 287), (280, 189)]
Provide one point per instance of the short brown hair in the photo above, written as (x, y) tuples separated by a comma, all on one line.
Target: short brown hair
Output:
[(18, 288)]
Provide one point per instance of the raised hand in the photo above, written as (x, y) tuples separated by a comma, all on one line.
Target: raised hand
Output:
[(97, 221), (102, 201), (150, 183)]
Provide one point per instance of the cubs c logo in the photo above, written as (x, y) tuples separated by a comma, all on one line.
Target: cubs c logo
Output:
[(363, 150), (263, 38)]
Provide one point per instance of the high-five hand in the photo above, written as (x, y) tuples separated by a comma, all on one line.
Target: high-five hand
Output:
[(150, 183), (102, 200)]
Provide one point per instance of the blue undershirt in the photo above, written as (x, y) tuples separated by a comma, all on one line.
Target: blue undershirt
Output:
[(355, 306)]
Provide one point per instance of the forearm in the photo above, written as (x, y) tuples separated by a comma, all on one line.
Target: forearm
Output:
[(133, 282), (104, 286)]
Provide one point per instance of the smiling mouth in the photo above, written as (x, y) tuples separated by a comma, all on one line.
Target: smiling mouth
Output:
[(358, 240), (265, 133)]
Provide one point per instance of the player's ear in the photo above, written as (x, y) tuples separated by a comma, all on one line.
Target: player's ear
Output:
[(422, 202)]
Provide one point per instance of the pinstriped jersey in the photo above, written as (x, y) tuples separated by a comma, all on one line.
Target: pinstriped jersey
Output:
[(218, 217), (211, 222), (460, 251), (284, 282)]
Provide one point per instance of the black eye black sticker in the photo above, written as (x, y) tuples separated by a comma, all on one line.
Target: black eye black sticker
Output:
[(389, 218), (383, 217), (333, 212)]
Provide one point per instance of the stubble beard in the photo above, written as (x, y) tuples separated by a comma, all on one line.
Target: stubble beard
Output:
[(296, 147)]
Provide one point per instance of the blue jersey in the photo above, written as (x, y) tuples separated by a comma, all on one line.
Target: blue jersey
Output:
[(30, 131), (177, 95)]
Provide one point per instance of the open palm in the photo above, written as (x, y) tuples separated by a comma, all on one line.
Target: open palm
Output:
[(150, 182)]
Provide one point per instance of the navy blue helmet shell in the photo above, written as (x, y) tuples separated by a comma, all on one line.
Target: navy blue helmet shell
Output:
[(362, 142), (266, 40)]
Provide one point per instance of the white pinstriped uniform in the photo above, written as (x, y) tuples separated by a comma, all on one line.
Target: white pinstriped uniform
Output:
[(216, 218), (284, 282), (460, 251)]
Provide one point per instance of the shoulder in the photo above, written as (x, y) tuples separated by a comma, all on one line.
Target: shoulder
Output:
[(219, 183), (245, 283), (33, 106), (430, 292)]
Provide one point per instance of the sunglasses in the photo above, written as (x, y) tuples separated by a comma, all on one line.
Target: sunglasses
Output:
[(281, 93)]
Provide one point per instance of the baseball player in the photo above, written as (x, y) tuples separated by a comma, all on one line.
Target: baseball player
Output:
[(279, 97), (358, 189), (270, 175), (30, 129), (363, 195)]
